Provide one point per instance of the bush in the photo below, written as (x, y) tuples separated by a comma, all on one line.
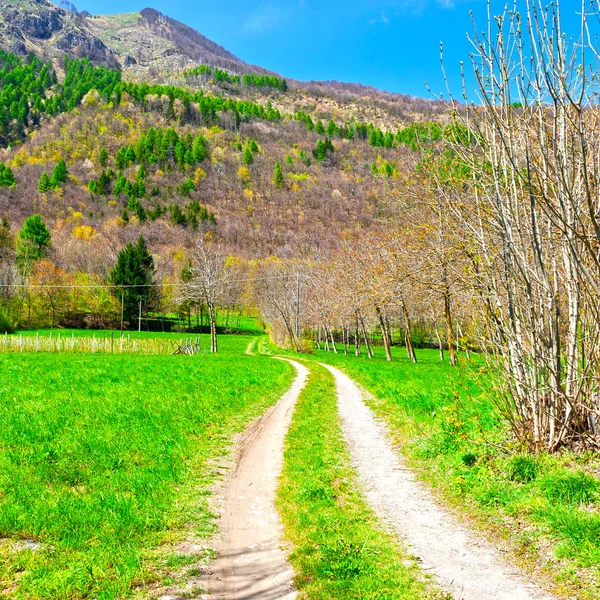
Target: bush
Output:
[(8, 323), (572, 487), (523, 468)]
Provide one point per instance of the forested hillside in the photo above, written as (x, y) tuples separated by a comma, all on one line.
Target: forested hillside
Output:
[(271, 168)]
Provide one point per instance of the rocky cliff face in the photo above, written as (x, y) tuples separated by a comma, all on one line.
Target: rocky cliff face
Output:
[(42, 27)]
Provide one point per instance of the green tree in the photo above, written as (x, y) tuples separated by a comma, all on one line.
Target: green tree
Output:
[(199, 150), (59, 174), (103, 157), (7, 241), (33, 241), (319, 127), (7, 179), (253, 146), (248, 156), (44, 184), (278, 176), (133, 276)]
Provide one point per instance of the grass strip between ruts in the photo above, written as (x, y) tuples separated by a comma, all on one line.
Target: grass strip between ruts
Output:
[(340, 550)]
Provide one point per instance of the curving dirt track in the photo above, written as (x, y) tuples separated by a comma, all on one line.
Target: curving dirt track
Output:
[(250, 562), (464, 564)]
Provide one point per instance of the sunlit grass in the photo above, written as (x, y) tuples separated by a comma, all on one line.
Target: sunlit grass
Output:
[(105, 459), (340, 550), (547, 507)]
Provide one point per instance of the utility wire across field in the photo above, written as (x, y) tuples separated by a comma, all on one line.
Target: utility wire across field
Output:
[(144, 285)]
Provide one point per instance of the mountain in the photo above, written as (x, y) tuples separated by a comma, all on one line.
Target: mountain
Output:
[(151, 40), (163, 132), (50, 32)]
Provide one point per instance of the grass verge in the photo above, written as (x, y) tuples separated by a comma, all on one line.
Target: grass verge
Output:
[(105, 465), (546, 508), (340, 550)]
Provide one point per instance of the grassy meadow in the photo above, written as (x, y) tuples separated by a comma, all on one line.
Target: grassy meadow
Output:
[(105, 463), (545, 508), (340, 550)]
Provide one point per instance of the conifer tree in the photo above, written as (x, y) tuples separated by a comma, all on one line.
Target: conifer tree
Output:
[(199, 150), (33, 241), (44, 184), (7, 179), (248, 156), (278, 176), (103, 157), (59, 174), (133, 275)]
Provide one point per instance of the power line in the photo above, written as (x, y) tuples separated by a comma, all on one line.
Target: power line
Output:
[(293, 278)]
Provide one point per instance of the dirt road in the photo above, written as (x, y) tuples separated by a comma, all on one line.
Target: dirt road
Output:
[(250, 562), (463, 564)]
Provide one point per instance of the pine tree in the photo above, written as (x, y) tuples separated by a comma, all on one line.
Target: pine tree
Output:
[(133, 274), (319, 127), (278, 176), (253, 146), (44, 184), (33, 241), (103, 157), (59, 174), (7, 179), (248, 156), (199, 150), (7, 241)]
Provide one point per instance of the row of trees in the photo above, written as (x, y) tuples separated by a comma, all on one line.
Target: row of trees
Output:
[(206, 72)]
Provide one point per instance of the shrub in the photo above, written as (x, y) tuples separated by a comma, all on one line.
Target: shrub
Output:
[(572, 487), (523, 468)]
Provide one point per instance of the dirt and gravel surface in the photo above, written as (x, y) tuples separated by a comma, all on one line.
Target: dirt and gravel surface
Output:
[(463, 564), (251, 563)]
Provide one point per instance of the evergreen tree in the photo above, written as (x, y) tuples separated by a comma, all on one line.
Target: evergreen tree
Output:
[(199, 150), (59, 174), (253, 146), (44, 184), (133, 274), (33, 241), (278, 176), (319, 127), (7, 179), (7, 241), (332, 128), (103, 157), (248, 156)]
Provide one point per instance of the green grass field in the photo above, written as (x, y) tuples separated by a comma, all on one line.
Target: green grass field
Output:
[(105, 463), (340, 550), (546, 508)]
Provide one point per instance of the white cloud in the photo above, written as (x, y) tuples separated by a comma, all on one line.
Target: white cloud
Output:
[(382, 18)]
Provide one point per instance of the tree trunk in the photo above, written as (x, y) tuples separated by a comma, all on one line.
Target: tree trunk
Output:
[(439, 339), (357, 339), (449, 326), (410, 351), (364, 331), (384, 334), (213, 329), (332, 341)]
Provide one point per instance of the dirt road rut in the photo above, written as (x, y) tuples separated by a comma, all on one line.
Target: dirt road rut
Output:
[(465, 565), (250, 562)]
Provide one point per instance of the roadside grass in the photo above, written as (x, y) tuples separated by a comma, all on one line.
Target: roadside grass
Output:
[(546, 508), (106, 464), (340, 550)]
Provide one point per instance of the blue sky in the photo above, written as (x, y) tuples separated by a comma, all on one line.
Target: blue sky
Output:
[(392, 45)]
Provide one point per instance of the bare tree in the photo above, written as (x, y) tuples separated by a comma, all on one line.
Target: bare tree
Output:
[(210, 279), (521, 175)]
